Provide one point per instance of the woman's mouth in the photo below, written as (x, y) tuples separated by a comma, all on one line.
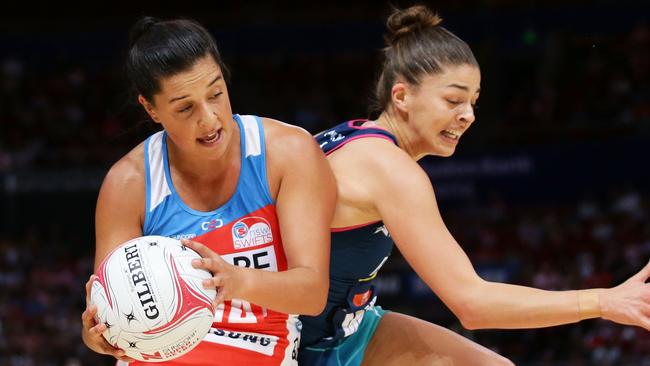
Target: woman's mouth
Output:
[(451, 135), (211, 139)]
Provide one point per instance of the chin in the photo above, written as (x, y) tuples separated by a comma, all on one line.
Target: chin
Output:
[(445, 153)]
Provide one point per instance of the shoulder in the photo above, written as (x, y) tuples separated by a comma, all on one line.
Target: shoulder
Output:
[(126, 173), (284, 135), (294, 161), (292, 152), (283, 141), (380, 165), (119, 213)]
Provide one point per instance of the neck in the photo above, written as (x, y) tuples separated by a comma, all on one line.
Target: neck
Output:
[(200, 168), (396, 124)]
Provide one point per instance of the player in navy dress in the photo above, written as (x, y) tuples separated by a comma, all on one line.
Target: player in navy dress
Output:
[(426, 95)]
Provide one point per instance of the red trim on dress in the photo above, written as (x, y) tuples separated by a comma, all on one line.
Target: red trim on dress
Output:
[(360, 137)]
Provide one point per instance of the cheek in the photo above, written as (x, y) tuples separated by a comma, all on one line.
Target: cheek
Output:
[(177, 127), (224, 105), (436, 119)]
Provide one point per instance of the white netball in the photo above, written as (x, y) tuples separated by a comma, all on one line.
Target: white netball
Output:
[(152, 299)]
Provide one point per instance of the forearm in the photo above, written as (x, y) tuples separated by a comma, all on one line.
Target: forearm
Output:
[(299, 290), (498, 305)]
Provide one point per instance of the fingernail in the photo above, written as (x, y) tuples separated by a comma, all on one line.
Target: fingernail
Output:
[(206, 283), (196, 262)]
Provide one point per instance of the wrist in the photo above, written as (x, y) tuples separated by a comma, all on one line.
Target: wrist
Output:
[(589, 304)]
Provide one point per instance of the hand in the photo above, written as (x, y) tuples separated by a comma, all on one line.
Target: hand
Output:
[(629, 302), (91, 332), (227, 279)]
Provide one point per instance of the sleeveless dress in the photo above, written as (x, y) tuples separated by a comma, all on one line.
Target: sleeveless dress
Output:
[(340, 334), (245, 232)]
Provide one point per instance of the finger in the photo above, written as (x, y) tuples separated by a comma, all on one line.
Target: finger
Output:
[(98, 329), (210, 264), (115, 352), (110, 349), (199, 263), (645, 323), (643, 274), (88, 316), (221, 297), (127, 359), (203, 250), (214, 282), (89, 285)]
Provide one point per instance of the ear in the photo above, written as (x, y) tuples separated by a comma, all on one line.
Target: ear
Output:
[(149, 108), (399, 96)]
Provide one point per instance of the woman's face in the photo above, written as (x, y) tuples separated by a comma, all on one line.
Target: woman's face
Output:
[(441, 108), (194, 108)]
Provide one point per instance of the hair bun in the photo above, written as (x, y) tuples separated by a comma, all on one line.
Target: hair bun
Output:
[(407, 21), (141, 27)]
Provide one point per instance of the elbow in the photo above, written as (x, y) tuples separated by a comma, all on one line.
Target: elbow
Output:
[(469, 316), (317, 298), (314, 306), (471, 312), (469, 322)]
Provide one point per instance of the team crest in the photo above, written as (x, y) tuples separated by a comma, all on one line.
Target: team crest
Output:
[(250, 232)]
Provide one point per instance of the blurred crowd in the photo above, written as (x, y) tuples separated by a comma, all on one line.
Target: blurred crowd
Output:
[(541, 84)]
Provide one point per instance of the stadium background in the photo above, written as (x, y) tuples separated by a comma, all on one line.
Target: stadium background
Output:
[(550, 187)]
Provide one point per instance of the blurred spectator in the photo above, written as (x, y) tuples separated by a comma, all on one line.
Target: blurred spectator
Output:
[(73, 111)]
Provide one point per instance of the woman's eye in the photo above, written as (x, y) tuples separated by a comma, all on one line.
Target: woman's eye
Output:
[(454, 102), (216, 95)]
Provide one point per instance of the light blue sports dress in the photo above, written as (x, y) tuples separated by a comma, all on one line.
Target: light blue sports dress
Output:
[(245, 232)]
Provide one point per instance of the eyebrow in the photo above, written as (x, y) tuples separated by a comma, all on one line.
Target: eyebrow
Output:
[(462, 87), (215, 80), (185, 96)]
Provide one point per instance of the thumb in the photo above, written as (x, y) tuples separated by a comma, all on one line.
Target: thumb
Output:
[(643, 274)]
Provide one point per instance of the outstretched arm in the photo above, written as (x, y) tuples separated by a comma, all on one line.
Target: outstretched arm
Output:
[(407, 205)]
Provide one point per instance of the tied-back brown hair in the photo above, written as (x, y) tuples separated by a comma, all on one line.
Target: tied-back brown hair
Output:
[(417, 45)]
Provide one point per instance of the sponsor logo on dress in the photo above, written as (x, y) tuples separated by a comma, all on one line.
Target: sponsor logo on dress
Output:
[(212, 224), (256, 342), (250, 232), (183, 236)]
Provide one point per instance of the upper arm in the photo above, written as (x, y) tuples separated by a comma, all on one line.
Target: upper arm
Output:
[(407, 205), (120, 207), (306, 195)]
